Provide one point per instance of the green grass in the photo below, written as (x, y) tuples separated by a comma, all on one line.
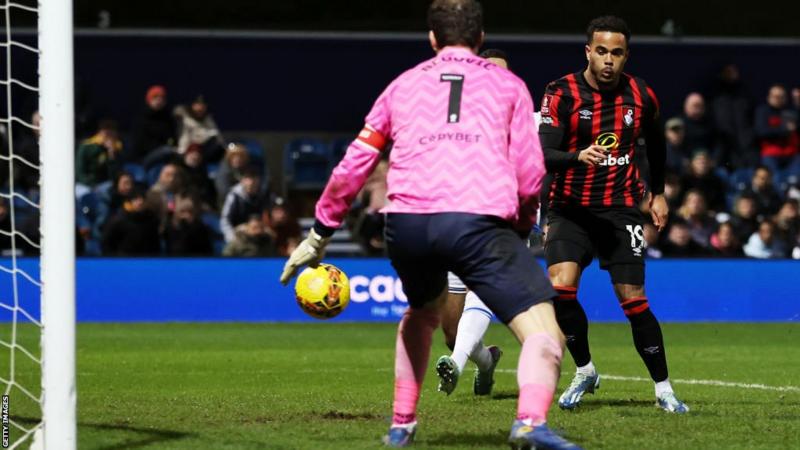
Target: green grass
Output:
[(328, 386)]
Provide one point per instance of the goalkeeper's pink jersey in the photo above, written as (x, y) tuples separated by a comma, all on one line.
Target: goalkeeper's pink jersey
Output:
[(464, 141)]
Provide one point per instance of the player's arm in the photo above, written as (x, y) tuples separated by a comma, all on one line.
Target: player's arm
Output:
[(653, 131), (553, 134), (345, 183), (525, 151)]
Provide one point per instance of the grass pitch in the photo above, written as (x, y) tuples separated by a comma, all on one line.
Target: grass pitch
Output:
[(329, 386)]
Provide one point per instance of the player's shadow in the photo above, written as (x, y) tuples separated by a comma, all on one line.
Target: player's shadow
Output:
[(599, 403), (149, 436), (468, 439)]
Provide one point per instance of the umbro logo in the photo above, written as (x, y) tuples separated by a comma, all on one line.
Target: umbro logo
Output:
[(585, 114)]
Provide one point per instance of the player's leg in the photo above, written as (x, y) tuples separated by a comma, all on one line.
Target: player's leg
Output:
[(453, 307), (499, 268), (425, 284), (647, 337), (471, 327), (568, 249), (625, 263)]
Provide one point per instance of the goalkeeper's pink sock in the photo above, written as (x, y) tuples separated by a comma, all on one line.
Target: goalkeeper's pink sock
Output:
[(414, 337), (537, 375)]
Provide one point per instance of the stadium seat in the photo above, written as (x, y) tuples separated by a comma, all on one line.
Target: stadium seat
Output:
[(212, 169), (338, 149), (137, 171), (307, 164), (153, 173), (740, 179)]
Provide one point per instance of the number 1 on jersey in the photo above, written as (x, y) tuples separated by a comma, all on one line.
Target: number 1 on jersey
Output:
[(456, 86)]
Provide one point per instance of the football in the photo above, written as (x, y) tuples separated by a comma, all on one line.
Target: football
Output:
[(322, 292)]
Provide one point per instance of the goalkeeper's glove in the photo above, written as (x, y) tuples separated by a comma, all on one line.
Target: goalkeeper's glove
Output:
[(310, 252)]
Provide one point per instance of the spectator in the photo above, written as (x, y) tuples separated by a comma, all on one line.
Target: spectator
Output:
[(243, 200), (186, 234), (702, 178), (284, 228), (110, 201), (744, 220), (155, 126), (161, 196), (133, 231), (796, 99), (776, 129), (672, 191), (651, 238), (251, 238), (370, 222), (98, 158), (197, 179), (198, 127), (765, 244), (677, 153), (699, 130), (732, 111), (761, 189), (680, 243), (695, 216), (725, 243), (231, 169), (787, 221)]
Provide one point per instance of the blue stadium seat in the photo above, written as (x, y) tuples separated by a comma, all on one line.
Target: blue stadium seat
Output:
[(153, 173), (137, 171), (212, 169), (212, 221), (307, 164), (740, 179), (339, 148)]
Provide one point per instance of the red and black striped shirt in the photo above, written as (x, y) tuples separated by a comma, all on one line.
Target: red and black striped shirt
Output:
[(575, 116)]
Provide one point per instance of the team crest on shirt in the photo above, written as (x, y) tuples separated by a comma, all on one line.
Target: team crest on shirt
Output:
[(627, 115), (546, 101)]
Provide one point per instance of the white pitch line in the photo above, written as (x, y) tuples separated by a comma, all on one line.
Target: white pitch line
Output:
[(720, 383)]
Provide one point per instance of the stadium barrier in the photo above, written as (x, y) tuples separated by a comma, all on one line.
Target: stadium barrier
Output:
[(217, 290)]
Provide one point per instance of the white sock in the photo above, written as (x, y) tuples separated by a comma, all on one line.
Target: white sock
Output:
[(588, 369), (663, 387), (469, 338)]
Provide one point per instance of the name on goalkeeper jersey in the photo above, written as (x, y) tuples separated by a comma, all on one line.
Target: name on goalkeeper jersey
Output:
[(474, 60), (455, 137)]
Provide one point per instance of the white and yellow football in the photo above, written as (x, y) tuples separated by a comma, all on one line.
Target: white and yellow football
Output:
[(322, 292)]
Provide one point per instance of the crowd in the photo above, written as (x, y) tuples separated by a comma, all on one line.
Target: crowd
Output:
[(173, 185), (734, 175)]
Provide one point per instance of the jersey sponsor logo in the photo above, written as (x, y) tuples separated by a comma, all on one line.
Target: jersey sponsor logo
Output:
[(616, 161), (608, 140), (457, 137), (585, 114), (627, 115), (546, 101)]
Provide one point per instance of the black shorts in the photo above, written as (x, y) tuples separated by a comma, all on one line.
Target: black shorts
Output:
[(483, 251), (615, 235)]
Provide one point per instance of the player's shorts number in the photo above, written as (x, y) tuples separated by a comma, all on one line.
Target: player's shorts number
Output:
[(637, 237)]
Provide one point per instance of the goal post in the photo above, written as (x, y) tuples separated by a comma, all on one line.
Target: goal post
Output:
[(57, 144)]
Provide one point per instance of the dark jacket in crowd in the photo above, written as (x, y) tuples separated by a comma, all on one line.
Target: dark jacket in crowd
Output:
[(132, 234), (151, 130), (188, 239)]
